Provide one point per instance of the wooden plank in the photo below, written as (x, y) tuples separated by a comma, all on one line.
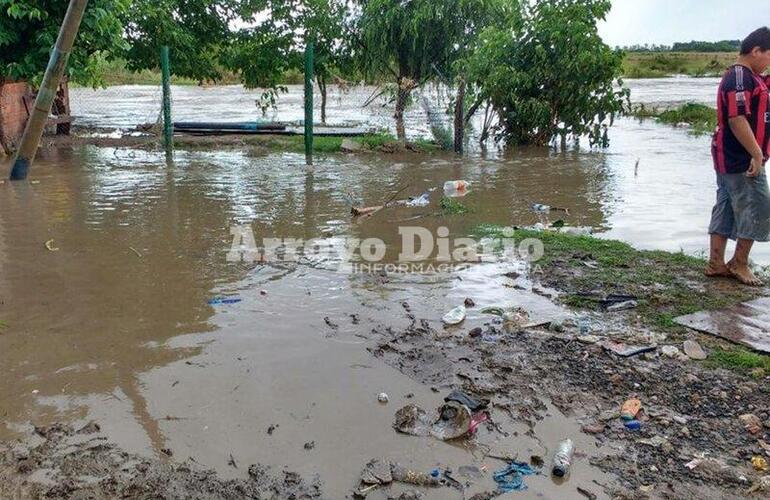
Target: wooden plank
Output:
[(747, 324)]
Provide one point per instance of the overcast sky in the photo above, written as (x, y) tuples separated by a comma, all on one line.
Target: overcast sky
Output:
[(667, 21)]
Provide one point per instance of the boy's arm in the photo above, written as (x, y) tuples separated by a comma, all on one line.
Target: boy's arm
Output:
[(742, 131)]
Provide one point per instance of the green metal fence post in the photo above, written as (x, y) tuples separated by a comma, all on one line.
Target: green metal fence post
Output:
[(309, 102), (168, 125)]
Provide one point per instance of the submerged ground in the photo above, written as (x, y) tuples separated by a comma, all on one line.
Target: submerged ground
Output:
[(111, 258)]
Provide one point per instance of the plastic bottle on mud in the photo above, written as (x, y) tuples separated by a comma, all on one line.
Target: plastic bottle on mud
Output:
[(456, 188), (562, 460)]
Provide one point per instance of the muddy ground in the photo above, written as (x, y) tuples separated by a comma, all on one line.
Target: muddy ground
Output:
[(690, 416)]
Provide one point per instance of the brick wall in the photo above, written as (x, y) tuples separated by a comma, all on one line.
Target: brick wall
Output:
[(13, 114)]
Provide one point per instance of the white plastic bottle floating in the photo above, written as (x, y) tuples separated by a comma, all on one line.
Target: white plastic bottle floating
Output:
[(539, 208), (455, 189), (455, 316), (562, 460)]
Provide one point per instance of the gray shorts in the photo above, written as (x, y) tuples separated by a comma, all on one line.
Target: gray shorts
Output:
[(743, 207)]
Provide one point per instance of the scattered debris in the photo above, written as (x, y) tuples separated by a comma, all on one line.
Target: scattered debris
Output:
[(751, 423), (623, 306), (412, 420), (456, 189), (633, 425), (693, 350), (310, 445), (630, 409), (421, 201), (743, 323), (760, 464), (138, 254), (562, 459), (382, 398), (50, 247), (455, 316), (586, 493), (511, 478), (672, 352), (454, 421), (589, 339), (469, 302), (624, 350), (224, 300), (377, 472)]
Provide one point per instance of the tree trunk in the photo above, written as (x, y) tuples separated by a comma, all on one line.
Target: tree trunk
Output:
[(322, 88), (459, 117), (405, 86)]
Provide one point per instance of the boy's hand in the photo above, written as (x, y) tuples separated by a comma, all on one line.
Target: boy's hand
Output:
[(756, 167)]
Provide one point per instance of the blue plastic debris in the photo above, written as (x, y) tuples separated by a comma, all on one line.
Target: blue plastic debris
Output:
[(223, 300), (435, 473), (633, 425), (511, 478)]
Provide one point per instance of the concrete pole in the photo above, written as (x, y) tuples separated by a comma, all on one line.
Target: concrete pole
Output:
[(45, 96)]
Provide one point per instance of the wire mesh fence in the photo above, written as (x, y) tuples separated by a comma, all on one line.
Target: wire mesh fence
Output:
[(138, 108)]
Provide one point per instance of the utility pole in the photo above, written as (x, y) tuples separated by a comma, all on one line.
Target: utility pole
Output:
[(45, 96)]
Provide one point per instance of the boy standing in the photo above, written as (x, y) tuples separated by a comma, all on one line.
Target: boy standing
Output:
[(740, 148)]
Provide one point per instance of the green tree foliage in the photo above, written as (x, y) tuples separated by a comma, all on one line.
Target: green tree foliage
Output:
[(549, 73), (274, 41), (410, 42), (28, 31), (196, 31)]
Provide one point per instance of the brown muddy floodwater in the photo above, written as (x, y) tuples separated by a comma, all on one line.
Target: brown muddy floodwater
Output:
[(115, 326)]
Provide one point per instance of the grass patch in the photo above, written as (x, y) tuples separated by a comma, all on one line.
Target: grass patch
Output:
[(450, 206), (739, 360), (667, 284), (702, 119), (663, 64), (425, 146), (3, 325), (376, 141)]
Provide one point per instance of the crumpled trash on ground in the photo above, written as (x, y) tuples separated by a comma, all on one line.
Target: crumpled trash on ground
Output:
[(511, 477), (625, 350), (461, 415), (455, 316)]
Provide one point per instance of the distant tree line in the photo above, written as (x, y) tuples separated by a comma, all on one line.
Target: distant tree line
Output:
[(693, 46)]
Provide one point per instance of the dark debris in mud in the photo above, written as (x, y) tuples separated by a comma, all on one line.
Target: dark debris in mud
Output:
[(689, 411), (82, 465)]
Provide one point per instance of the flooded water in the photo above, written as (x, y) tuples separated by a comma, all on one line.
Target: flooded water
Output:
[(116, 324)]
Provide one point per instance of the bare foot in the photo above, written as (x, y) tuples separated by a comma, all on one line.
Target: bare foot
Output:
[(718, 270), (742, 273)]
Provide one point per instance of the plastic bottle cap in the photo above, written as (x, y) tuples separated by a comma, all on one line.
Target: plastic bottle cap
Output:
[(559, 471)]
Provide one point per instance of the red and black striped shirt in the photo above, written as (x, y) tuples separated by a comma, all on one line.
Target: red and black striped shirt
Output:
[(741, 93)]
